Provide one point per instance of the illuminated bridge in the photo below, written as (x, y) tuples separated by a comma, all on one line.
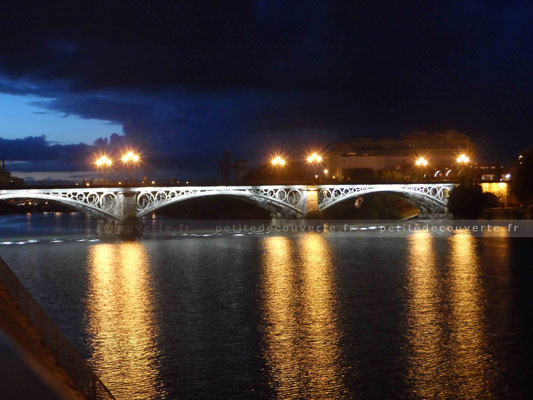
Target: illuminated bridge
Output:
[(290, 201)]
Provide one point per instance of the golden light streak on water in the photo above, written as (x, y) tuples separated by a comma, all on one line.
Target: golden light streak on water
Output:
[(121, 322), (280, 322), (300, 325), (469, 358), (323, 354), (425, 333)]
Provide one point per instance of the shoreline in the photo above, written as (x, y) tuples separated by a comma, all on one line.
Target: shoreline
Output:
[(16, 326)]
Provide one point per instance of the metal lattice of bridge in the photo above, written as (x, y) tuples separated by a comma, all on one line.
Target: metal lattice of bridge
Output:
[(284, 200)]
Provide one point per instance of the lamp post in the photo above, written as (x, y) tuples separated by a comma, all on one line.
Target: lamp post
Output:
[(103, 163), (422, 163), (130, 159), (278, 162), (464, 161), (315, 160)]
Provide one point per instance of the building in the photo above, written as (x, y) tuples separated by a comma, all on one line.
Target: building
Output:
[(6, 179), (366, 156)]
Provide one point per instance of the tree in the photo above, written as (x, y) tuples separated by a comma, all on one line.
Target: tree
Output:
[(522, 177), (467, 201)]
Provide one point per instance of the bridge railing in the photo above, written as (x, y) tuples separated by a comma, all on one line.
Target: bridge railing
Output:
[(247, 182), (65, 353)]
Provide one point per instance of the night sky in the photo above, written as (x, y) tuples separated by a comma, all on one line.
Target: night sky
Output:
[(185, 80)]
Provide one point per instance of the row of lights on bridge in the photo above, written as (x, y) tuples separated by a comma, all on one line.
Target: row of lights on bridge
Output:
[(316, 158), (277, 161)]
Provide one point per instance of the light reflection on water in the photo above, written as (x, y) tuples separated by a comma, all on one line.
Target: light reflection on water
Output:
[(425, 332), (449, 355), (290, 316), (121, 320), (300, 323), (470, 359)]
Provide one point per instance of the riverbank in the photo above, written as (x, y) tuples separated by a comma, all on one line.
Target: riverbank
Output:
[(17, 327)]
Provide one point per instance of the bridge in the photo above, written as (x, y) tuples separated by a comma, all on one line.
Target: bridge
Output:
[(288, 201)]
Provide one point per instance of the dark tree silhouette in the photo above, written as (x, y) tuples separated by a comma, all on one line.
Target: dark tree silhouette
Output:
[(522, 177), (467, 200)]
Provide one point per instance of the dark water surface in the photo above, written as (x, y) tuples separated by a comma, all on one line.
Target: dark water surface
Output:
[(272, 316)]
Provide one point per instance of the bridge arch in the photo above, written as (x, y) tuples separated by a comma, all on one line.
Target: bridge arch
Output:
[(285, 201), (101, 205), (427, 197)]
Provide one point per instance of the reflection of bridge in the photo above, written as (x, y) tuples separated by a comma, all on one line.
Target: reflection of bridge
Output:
[(280, 200)]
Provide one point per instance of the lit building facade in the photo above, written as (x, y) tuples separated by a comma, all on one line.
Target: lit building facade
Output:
[(369, 155)]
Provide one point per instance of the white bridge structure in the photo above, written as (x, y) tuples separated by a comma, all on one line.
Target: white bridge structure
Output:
[(290, 201)]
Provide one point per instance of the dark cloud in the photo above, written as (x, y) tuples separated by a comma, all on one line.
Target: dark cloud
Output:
[(39, 154), (188, 79)]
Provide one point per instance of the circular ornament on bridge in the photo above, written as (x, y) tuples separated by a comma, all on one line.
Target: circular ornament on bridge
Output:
[(324, 195), (281, 195), (160, 196), (294, 197), (108, 201), (144, 200), (337, 193), (92, 198), (80, 197)]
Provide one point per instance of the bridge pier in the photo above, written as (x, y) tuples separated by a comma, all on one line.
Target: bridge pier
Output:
[(126, 208), (311, 206)]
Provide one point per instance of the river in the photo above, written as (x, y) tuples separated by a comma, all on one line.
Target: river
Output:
[(307, 315)]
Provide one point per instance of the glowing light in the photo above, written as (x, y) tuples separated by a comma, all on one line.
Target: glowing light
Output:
[(421, 162), (463, 159), (326, 172), (278, 161), (103, 161), (130, 156), (314, 158)]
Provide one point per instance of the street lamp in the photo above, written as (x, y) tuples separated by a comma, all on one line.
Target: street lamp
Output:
[(463, 159), (103, 162), (278, 163), (421, 162), (314, 158), (131, 159)]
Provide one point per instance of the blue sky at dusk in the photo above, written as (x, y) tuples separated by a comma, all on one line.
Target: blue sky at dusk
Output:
[(21, 116)]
